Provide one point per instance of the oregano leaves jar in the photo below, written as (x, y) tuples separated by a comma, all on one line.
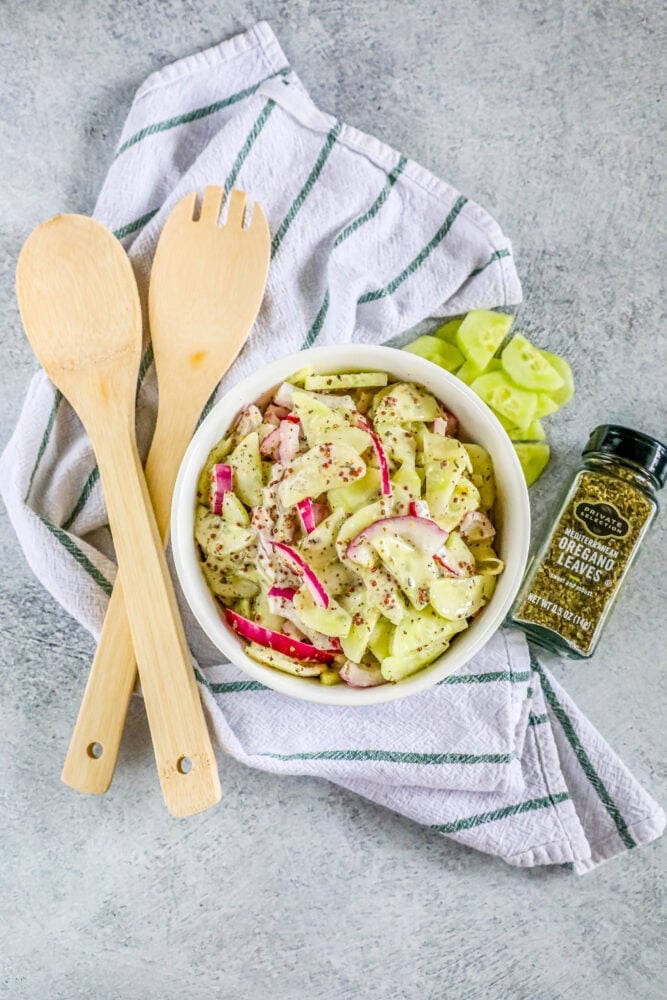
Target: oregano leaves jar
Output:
[(571, 585)]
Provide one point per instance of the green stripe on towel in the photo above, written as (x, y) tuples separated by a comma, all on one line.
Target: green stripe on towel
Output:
[(414, 265), (514, 677), (70, 545), (257, 127), (311, 180), (583, 758), (490, 817), (46, 436), (132, 227), (88, 488), (397, 757), (197, 114), (498, 255)]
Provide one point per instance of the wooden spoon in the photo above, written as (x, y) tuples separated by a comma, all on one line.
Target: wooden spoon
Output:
[(206, 288), (80, 308)]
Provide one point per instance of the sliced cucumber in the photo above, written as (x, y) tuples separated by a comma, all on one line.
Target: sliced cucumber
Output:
[(398, 442), (217, 454), (528, 367), (482, 475), (337, 578), (465, 497), (218, 538), (565, 393), (534, 458), (438, 351), (480, 335), (445, 460), (459, 554), (360, 520), (272, 658), (500, 393), (546, 405), (403, 404), (233, 510), (262, 614), (299, 377), (332, 620), (358, 494), (321, 468), (422, 628), (488, 587), (247, 465), (413, 571), (330, 676), (383, 592), (322, 423), (228, 586), (533, 432), (468, 372), (364, 619), (457, 598), (380, 639), (354, 380), (319, 547), (449, 330), (395, 668)]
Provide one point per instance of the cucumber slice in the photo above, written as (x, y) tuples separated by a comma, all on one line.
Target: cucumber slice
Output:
[(422, 628), (229, 587), (456, 598), (528, 367), (459, 554), (218, 538), (482, 475), (445, 460), (358, 494), (395, 668), (364, 619), (321, 423), (464, 498), (438, 351), (234, 511), (332, 621), (247, 465), (406, 486), (336, 578), (534, 458), (262, 614), (398, 442), (383, 592), (320, 469), (486, 559), (358, 380), (488, 587), (319, 547), (403, 404), (360, 520), (517, 405), (217, 454), (468, 372), (533, 432), (380, 639), (546, 405), (565, 393), (299, 378), (413, 571), (449, 330), (480, 335), (330, 676), (272, 658)]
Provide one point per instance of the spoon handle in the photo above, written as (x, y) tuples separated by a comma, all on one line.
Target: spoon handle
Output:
[(186, 763), (94, 746)]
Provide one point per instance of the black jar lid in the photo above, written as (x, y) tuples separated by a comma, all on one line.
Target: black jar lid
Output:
[(630, 446)]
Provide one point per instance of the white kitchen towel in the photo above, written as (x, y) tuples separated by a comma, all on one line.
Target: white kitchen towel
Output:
[(365, 245)]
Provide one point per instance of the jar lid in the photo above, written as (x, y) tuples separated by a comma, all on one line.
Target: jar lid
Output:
[(630, 446)]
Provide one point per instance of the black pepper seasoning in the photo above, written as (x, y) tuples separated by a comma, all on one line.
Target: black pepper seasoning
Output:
[(571, 585)]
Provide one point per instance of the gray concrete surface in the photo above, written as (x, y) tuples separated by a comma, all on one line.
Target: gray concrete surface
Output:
[(549, 114)]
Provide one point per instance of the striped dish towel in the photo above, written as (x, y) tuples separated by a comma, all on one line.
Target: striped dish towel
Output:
[(365, 244)]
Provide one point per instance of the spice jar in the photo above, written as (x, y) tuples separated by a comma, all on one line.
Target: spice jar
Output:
[(571, 585)]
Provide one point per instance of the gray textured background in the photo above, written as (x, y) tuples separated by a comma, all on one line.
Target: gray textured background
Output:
[(548, 114)]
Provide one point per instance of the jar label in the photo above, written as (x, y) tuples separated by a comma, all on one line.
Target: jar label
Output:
[(585, 559), (601, 519)]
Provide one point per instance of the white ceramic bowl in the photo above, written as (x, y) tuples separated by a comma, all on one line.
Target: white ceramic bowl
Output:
[(477, 425)]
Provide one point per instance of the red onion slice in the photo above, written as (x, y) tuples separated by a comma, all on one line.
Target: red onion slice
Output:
[(286, 593), (221, 483), (271, 443), (298, 563), (276, 640), (476, 527), (419, 508), (424, 534), (378, 448), (289, 430), (448, 425)]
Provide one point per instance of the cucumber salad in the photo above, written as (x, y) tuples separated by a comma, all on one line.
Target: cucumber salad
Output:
[(345, 530)]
